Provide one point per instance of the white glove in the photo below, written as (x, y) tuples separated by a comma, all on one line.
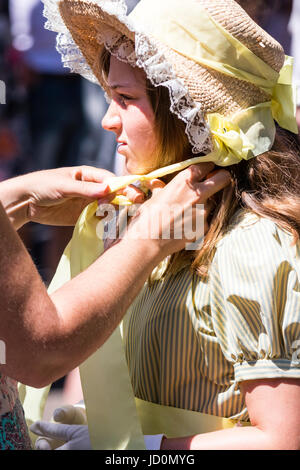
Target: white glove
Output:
[(68, 414), (75, 437), (153, 441), (70, 436)]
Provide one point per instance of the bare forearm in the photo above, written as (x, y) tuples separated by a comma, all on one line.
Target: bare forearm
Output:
[(14, 198), (238, 438), (24, 302), (56, 334), (44, 337), (93, 304)]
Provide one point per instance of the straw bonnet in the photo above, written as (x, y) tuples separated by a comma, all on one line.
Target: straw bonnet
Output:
[(227, 78)]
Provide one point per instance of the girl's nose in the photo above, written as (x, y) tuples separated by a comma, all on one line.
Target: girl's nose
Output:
[(112, 119)]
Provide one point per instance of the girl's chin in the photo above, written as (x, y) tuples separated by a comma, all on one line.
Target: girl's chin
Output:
[(132, 164), (130, 168), (134, 169)]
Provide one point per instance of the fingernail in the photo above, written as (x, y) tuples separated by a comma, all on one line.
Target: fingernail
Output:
[(138, 198), (104, 188)]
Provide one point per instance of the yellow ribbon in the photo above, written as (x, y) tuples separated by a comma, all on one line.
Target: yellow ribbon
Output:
[(194, 33), (245, 135), (116, 420), (230, 137), (283, 102)]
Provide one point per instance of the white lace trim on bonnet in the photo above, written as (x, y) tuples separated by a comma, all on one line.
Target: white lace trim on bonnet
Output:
[(144, 54)]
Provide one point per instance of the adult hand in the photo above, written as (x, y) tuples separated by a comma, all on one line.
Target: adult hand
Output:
[(67, 414), (54, 197), (63, 193), (169, 215), (67, 436), (57, 197)]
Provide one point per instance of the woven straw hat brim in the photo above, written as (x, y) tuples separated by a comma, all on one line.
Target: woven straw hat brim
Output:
[(86, 21), (215, 91)]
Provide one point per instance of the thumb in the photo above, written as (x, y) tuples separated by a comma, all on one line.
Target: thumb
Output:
[(87, 189)]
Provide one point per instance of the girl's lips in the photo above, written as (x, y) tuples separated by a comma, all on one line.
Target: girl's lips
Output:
[(121, 149), (121, 145)]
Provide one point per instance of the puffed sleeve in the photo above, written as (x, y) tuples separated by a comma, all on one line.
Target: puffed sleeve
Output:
[(255, 301)]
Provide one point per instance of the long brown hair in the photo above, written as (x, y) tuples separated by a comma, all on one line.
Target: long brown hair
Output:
[(268, 185)]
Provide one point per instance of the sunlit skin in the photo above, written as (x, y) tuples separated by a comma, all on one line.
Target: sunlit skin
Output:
[(130, 116)]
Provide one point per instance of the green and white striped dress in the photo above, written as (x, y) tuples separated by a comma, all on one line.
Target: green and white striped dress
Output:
[(189, 343)]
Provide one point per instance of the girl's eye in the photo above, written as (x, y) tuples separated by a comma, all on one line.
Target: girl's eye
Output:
[(125, 98), (121, 98)]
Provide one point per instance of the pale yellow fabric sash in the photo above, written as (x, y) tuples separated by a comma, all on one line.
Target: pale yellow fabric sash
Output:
[(116, 420), (176, 422)]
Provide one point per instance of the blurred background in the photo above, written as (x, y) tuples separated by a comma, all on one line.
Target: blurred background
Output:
[(52, 118)]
